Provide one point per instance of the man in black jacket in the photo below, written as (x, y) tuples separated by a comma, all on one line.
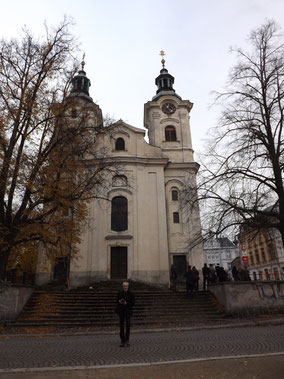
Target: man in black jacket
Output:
[(206, 276), (189, 282), (124, 303)]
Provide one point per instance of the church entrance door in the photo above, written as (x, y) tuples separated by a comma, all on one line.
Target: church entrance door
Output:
[(118, 262), (180, 263), (60, 270)]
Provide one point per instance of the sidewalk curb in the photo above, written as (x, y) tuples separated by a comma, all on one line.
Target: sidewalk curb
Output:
[(279, 321), (128, 365)]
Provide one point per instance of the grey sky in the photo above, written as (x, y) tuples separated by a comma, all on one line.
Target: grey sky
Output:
[(122, 40)]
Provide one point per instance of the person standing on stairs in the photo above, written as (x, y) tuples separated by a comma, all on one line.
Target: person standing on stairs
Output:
[(189, 282), (173, 278), (206, 276), (125, 301)]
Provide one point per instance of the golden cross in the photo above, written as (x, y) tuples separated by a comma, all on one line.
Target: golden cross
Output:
[(83, 63), (162, 53)]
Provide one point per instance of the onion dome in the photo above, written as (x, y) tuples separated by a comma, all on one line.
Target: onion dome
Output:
[(164, 82)]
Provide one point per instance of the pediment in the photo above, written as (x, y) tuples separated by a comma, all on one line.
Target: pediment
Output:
[(123, 127)]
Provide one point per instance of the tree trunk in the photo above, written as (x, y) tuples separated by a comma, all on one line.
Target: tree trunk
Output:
[(4, 255)]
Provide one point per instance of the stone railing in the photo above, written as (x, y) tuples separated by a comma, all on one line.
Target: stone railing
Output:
[(249, 298), (12, 300)]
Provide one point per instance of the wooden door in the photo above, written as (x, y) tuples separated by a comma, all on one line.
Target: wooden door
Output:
[(180, 263), (60, 270), (119, 262)]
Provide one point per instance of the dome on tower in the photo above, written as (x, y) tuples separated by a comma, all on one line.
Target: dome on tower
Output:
[(164, 82), (81, 84)]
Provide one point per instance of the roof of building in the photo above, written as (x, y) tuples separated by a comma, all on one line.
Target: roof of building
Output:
[(225, 242)]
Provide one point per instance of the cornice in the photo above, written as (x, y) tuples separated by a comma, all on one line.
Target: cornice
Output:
[(118, 236), (131, 160)]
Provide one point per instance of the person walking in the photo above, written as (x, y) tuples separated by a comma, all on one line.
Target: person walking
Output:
[(189, 282), (213, 277), (173, 278), (218, 273), (223, 276), (125, 301), (206, 276), (235, 274), (196, 278)]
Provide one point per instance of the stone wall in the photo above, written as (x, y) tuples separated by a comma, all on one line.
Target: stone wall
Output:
[(249, 298), (12, 301)]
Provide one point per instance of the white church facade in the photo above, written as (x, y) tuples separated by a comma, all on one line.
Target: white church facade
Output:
[(143, 228)]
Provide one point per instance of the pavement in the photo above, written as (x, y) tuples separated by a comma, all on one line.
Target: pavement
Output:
[(246, 348), (261, 367), (234, 351)]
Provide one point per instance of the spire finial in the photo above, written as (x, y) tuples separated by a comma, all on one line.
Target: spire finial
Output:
[(83, 63), (162, 53)]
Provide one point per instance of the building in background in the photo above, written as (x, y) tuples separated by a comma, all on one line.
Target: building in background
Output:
[(220, 251), (263, 252)]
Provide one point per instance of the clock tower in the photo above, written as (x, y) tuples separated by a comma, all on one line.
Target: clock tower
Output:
[(167, 119)]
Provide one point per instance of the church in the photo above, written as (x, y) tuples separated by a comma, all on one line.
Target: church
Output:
[(144, 227)]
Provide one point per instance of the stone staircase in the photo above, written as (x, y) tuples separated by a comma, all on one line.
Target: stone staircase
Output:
[(94, 307)]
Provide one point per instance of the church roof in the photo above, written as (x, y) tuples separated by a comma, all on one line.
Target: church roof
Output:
[(225, 242)]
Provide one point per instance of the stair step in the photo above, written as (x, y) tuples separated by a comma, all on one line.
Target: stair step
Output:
[(146, 323), (85, 307), (97, 315)]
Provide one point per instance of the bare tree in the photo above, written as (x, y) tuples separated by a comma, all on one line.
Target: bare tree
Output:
[(50, 165), (241, 180)]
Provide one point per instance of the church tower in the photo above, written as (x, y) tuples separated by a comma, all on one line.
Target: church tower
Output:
[(80, 102), (167, 118)]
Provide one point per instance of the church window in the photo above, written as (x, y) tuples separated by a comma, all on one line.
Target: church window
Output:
[(170, 133), (120, 144), (176, 217), (174, 195), (119, 214), (119, 181)]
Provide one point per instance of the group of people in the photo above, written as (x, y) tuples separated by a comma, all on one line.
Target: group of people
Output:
[(192, 279), (210, 274), (213, 274), (240, 274)]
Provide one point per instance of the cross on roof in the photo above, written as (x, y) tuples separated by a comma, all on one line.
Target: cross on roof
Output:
[(162, 53)]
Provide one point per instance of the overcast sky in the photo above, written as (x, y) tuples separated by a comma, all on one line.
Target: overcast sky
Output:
[(122, 40)]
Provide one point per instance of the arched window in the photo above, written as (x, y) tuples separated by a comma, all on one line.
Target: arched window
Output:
[(119, 181), (170, 133), (119, 214), (176, 218), (120, 144), (174, 195)]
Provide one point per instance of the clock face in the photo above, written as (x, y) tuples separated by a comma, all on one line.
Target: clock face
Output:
[(168, 108)]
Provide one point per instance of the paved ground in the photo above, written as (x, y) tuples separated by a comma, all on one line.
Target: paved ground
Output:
[(264, 367), (90, 351)]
